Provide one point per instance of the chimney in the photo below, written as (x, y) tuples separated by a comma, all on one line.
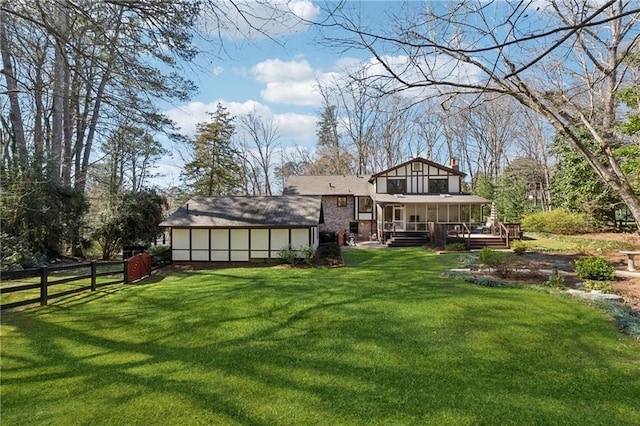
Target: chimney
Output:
[(330, 185), (454, 164)]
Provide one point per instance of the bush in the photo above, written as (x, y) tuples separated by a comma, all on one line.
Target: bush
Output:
[(555, 280), (288, 255), (557, 221), (594, 268), (157, 249), (308, 253), (456, 247), (518, 247), (329, 253), (17, 254), (603, 286), (503, 263)]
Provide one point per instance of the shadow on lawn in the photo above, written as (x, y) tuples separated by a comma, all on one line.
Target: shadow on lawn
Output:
[(379, 346)]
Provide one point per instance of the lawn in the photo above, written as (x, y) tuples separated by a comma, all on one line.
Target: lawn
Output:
[(385, 340)]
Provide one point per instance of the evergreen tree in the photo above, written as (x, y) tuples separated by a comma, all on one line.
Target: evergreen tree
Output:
[(332, 158), (214, 168)]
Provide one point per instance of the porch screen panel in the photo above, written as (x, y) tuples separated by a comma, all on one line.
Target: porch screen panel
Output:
[(464, 213), (476, 213), (443, 213), (432, 213), (453, 213)]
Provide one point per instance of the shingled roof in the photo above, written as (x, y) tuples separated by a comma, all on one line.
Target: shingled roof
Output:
[(247, 211), (328, 185)]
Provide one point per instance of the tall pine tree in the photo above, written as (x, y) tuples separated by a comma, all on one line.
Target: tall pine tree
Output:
[(214, 168)]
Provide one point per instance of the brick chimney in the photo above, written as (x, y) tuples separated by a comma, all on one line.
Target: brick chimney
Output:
[(454, 164)]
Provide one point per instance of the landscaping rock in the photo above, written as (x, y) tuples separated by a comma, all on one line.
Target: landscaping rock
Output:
[(596, 295)]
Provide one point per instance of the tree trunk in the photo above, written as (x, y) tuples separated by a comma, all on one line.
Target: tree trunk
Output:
[(15, 113)]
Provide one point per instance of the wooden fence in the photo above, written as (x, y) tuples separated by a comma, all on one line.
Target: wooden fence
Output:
[(89, 271)]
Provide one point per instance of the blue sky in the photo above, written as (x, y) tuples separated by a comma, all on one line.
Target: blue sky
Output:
[(275, 77)]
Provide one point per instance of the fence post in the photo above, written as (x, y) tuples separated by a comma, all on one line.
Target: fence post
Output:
[(126, 271), (93, 275), (44, 272)]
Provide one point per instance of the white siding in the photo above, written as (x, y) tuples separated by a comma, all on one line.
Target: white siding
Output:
[(259, 239), (279, 239), (180, 244), (220, 245), (220, 239), (454, 184), (180, 239), (300, 237), (180, 255), (200, 239), (382, 185), (200, 255), (220, 256)]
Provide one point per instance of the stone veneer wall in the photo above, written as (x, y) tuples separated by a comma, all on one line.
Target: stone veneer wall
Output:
[(336, 218)]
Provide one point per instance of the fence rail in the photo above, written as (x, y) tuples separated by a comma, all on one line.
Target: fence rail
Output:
[(46, 278)]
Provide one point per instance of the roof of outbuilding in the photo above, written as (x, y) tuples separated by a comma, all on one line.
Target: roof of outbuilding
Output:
[(328, 185), (247, 211)]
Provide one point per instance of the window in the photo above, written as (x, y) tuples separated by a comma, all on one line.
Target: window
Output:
[(438, 186), (396, 186), (365, 205), (416, 166), (342, 201)]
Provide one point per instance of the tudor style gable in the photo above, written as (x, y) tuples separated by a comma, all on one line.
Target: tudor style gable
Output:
[(419, 176)]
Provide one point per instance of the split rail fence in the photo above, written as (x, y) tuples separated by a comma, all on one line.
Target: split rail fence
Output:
[(19, 288)]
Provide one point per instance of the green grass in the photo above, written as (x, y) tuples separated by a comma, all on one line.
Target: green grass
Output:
[(386, 340), (550, 242)]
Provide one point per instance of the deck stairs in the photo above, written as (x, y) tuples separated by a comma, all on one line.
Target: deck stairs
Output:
[(478, 242), (408, 239)]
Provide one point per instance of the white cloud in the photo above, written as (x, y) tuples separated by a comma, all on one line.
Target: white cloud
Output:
[(293, 82), (217, 71), (250, 19), (303, 93), (297, 128), (275, 70)]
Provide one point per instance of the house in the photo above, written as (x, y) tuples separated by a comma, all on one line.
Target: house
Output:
[(413, 197), (243, 228), (412, 203)]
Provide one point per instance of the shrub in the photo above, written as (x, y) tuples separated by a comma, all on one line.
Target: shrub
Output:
[(518, 247), (557, 221), (503, 263), (157, 249), (555, 280), (456, 247), (330, 253), (594, 268), (308, 253), (603, 286), (288, 255)]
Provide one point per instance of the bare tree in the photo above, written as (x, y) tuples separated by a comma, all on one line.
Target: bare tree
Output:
[(259, 145), (564, 61)]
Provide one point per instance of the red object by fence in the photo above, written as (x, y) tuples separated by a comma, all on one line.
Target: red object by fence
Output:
[(138, 266)]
